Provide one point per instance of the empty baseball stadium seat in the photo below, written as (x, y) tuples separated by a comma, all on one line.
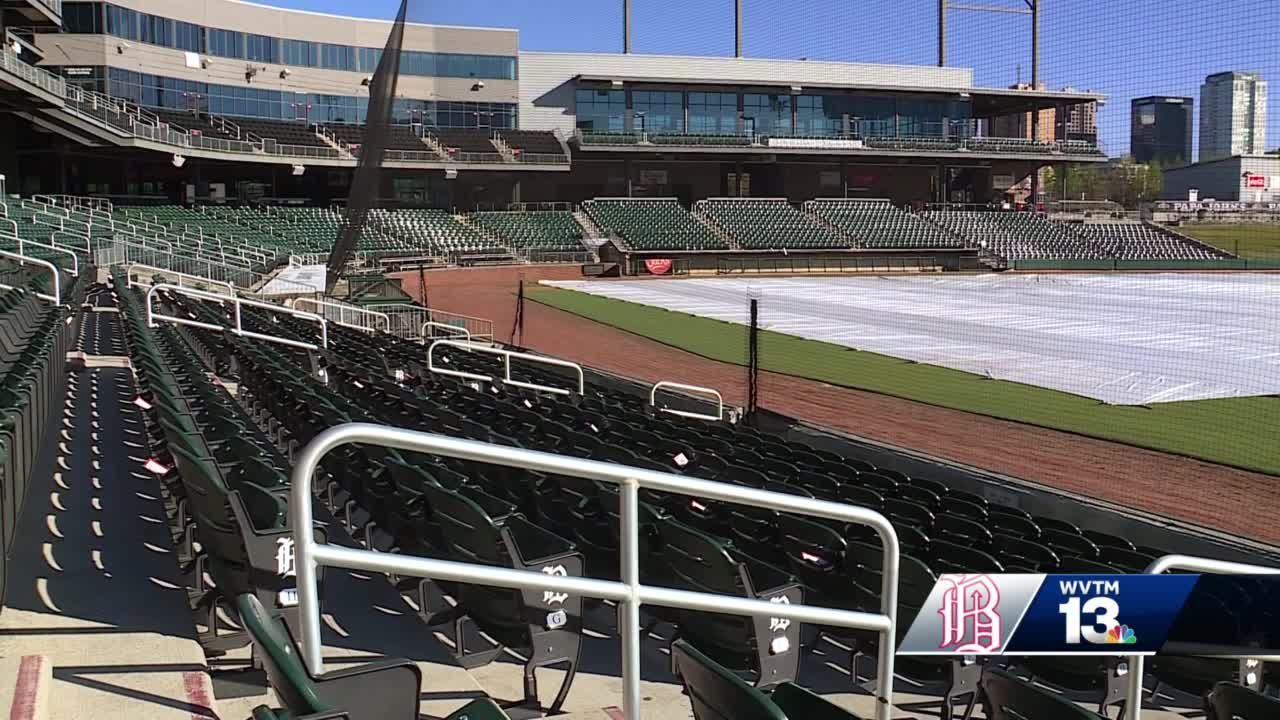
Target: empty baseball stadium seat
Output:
[(551, 230), (538, 142), (878, 224), (386, 689), (1231, 701), (769, 224), (1009, 697), (657, 224), (715, 693)]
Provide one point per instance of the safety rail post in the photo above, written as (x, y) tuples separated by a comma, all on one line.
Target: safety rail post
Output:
[(506, 356), (454, 329), (668, 385), (353, 309), (1133, 694), (75, 261), (238, 329), (130, 267), (310, 555), (56, 297)]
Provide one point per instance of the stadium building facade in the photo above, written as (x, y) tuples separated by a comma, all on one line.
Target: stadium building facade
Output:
[(264, 102)]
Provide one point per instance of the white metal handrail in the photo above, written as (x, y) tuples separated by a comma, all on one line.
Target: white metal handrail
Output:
[(87, 249), (56, 297), (342, 308), (310, 555), (1133, 701), (75, 261), (454, 330), (237, 303), (181, 276), (506, 356), (668, 385)]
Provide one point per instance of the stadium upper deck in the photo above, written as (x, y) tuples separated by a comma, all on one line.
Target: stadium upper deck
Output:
[(240, 87)]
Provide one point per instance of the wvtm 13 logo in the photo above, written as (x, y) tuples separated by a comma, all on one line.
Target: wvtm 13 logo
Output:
[(1091, 613)]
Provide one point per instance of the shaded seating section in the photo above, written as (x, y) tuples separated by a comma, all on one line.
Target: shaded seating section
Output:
[(1080, 147), (608, 137), (284, 132), (1010, 145), (550, 230), (34, 339), (698, 139), (921, 142), (657, 224), (436, 232), (464, 141), (769, 224), (878, 224), (399, 137), (540, 142), (192, 122)]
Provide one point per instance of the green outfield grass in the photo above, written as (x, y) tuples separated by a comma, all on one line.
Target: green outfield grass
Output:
[(1238, 431), (1255, 241)]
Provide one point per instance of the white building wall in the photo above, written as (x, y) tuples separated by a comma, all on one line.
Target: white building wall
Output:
[(547, 87)]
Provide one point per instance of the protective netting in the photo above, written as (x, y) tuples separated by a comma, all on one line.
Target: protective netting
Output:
[(366, 183)]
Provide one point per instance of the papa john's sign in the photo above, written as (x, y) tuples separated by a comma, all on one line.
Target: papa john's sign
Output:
[(658, 266)]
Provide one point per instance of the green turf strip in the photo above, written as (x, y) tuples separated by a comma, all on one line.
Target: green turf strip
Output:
[(1255, 241), (1238, 431)]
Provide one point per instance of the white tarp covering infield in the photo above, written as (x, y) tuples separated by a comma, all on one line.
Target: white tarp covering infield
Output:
[(1122, 339)]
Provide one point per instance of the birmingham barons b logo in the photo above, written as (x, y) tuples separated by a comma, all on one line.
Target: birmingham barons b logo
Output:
[(284, 557), (551, 597), (777, 624), (970, 621)]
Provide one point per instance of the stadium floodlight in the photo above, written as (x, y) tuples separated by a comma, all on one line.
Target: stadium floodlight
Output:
[(299, 170), (179, 160)]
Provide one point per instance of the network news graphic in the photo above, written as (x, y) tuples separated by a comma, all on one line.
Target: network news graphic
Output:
[(991, 614)]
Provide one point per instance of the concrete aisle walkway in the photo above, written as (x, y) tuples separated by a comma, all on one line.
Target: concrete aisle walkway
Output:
[(94, 583)]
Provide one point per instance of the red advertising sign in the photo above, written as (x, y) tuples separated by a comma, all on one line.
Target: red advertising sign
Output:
[(660, 266), (1256, 181)]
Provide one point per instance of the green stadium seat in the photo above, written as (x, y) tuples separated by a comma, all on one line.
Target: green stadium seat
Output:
[(716, 693), (1009, 697)]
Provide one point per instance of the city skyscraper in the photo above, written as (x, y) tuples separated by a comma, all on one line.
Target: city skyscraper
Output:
[(1233, 115), (1160, 130)]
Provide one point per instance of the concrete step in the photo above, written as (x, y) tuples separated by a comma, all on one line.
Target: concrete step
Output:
[(24, 686)]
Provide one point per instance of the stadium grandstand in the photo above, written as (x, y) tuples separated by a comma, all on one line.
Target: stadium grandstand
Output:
[(325, 395)]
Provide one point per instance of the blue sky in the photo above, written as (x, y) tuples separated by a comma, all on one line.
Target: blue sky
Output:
[(1122, 48)]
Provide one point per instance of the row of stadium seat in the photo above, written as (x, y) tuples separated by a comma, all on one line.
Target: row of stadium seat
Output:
[(928, 143), (35, 336), (769, 224)]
